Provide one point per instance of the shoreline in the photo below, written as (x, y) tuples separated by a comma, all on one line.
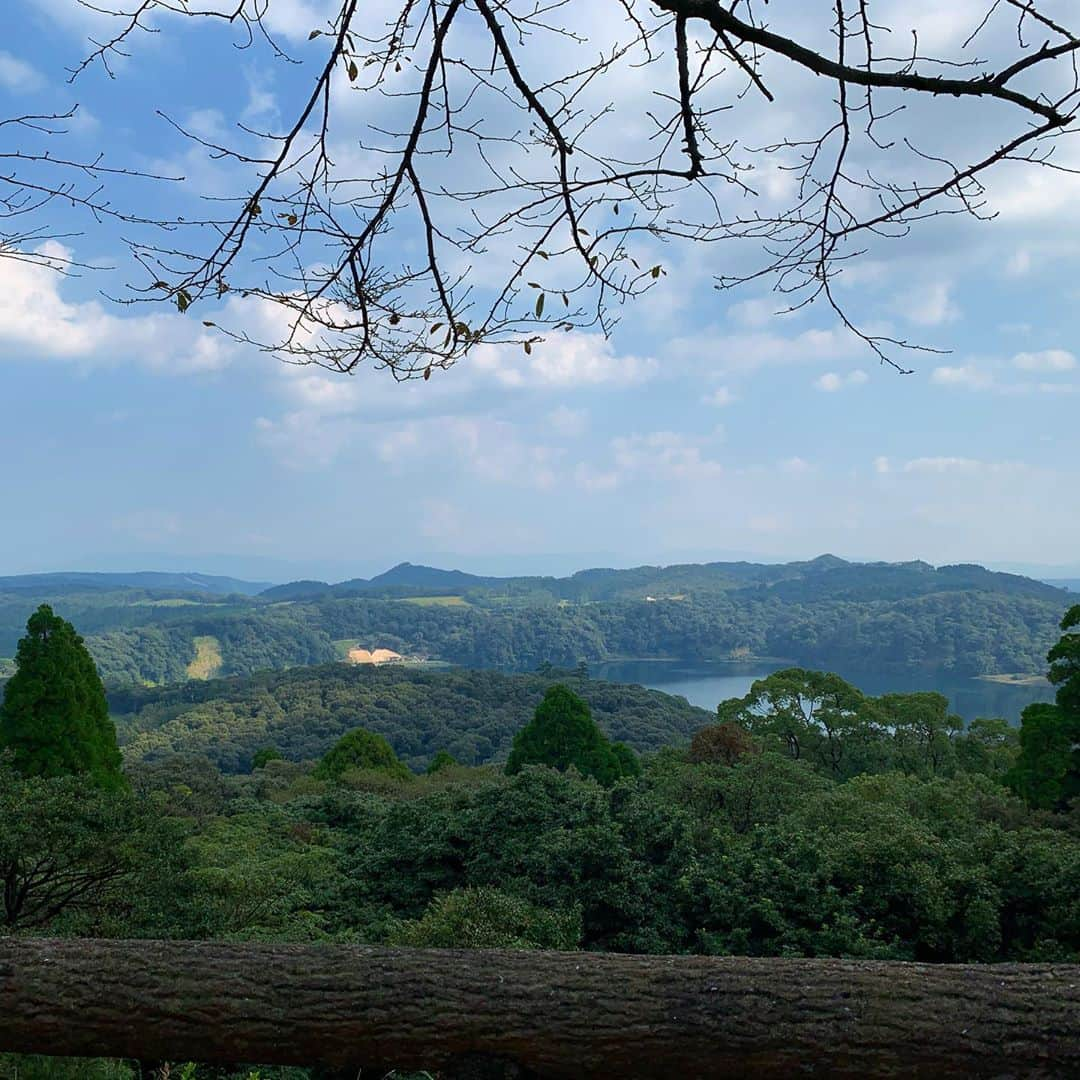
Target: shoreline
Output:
[(1017, 679)]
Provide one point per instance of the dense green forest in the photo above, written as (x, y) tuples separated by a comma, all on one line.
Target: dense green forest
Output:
[(826, 614), (805, 819), (471, 714)]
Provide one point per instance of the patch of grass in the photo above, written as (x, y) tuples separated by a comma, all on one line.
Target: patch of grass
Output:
[(207, 662), (172, 601), (437, 601), (343, 646)]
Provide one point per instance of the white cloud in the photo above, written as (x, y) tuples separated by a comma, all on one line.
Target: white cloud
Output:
[(571, 359), (34, 315), (490, 450), (666, 452), (717, 351), (967, 375), (589, 478), (831, 382), (1050, 361), (1019, 264), (958, 465), (568, 422), (326, 395), (942, 464), (796, 466), (18, 76), (929, 305), (755, 312), (1047, 360), (720, 397), (305, 440)]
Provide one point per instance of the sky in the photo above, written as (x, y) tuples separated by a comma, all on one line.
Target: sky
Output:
[(705, 427)]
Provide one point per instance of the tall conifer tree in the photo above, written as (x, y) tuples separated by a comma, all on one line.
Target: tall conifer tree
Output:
[(54, 718), (562, 733)]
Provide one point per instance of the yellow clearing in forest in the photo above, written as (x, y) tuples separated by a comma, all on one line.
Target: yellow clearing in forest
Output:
[(207, 662), (374, 656), (437, 601)]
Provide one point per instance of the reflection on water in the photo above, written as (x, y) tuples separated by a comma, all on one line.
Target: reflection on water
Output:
[(707, 684)]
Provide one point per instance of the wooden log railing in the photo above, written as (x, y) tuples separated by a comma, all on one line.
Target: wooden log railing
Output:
[(535, 1014)]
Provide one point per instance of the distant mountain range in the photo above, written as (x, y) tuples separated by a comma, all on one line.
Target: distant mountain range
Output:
[(793, 582), (143, 579), (1072, 584), (827, 613)]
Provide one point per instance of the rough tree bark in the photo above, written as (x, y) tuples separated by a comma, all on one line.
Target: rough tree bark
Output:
[(545, 1014)]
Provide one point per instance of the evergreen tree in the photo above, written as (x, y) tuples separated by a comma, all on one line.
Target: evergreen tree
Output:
[(1064, 660), (54, 719), (361, 749), (442, 760), (1047, 771), (562, 733), (263, 757)]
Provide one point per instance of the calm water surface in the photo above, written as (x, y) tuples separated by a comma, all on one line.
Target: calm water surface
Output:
[(707, 684)]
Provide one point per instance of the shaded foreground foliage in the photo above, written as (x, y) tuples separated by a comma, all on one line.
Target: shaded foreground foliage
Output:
[(808, 821)]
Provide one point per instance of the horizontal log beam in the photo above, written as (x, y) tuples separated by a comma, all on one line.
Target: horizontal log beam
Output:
[(550, 1014)]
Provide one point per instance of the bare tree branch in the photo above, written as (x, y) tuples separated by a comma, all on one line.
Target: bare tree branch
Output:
[(489, 201)]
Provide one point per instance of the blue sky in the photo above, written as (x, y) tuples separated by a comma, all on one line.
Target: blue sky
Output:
[(705, 427)]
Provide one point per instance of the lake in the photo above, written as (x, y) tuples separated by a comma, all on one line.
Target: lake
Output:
[(707, 684)]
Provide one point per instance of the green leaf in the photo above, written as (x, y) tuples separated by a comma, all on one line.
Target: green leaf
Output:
[(314, 34), (183, 300), (540, 305), (353, 71), (436, 328), (656, 272)]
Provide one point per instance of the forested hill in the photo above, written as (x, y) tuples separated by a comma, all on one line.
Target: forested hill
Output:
[(825, 614), (826, 577), (142, 579), (303, 712)]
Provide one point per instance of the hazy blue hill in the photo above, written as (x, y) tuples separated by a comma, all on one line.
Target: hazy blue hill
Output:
[(143, 579), (405, 579), (97, 608), (297, 590), (826, 577), (823, 613), (902, 581), (410, 576)]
